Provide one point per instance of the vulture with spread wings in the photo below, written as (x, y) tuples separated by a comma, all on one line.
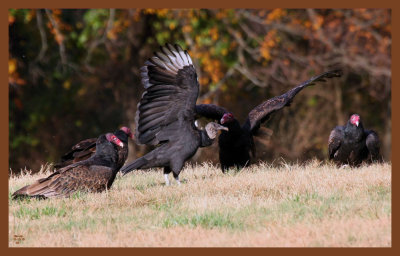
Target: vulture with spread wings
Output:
[(93, 175), (86, 148), (352, 144), (165, 115), (236, 145)]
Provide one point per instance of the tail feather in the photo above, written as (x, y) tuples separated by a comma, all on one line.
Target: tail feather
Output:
[(138, 163), (41, 188), (20, 192)]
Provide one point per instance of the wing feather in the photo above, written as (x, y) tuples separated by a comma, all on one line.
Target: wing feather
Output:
[(183, 56), (150, 125), (263, 111), (81, 177), (150, 117), (188, 58), (85, 144), (151, 105), (336, 139), (152, 111), (373, 144), (80, 151), (171, 91)]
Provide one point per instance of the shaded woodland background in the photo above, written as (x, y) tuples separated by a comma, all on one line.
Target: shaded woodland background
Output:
[(74, 74)]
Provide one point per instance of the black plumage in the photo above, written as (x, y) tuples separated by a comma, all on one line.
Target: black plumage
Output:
[(352, 144), (93, 175), (86, 148), (236, 146), (165, 114)]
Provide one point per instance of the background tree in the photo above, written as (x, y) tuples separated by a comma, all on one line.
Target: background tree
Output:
[(74, 74)]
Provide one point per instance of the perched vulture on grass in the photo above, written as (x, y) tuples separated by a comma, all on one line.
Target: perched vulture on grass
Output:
[(352, 144), (166, 113), (86, 148), (93, 175)]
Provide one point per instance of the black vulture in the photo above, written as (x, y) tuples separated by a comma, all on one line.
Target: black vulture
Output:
[(93, 175), (236, 145), (86, 148), (351, 144), (165, 115)]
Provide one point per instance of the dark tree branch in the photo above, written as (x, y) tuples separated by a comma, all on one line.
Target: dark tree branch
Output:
[(63, 54), (43, 37), (99, 41)]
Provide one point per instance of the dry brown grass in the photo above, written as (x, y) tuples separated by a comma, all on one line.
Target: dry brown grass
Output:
[(292, 205)]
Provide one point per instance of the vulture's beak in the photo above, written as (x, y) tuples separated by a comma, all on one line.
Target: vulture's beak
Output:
[(115, 140), (220, 127), (357, 123)]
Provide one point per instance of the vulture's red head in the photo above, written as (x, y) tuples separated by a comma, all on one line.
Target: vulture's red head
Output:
[(113, 139), (227, 118), (127, 131), (355, 119)]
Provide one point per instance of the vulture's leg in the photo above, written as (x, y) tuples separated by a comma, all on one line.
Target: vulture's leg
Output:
[(176, 176), (167, 170), (166, 179), (176, 169)]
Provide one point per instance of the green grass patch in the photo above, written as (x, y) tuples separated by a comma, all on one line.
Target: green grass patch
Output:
[(37, 213), (206, 220)]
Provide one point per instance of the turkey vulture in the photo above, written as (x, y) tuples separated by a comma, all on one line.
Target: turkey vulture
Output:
[(86, 148), (236, 145), (351, 144), (94, 174), (165, 115)]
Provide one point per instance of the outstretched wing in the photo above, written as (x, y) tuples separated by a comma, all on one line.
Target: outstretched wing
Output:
[(170, 80), (373, 144), (210, 111), (263, 111), (335, 140)]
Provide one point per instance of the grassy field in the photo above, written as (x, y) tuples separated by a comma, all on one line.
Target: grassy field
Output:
[(291, 205)]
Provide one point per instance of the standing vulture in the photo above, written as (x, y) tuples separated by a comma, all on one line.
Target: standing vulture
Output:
[(165, 115), (351, 144), (86, 148), (94, 174), (236, 144)]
